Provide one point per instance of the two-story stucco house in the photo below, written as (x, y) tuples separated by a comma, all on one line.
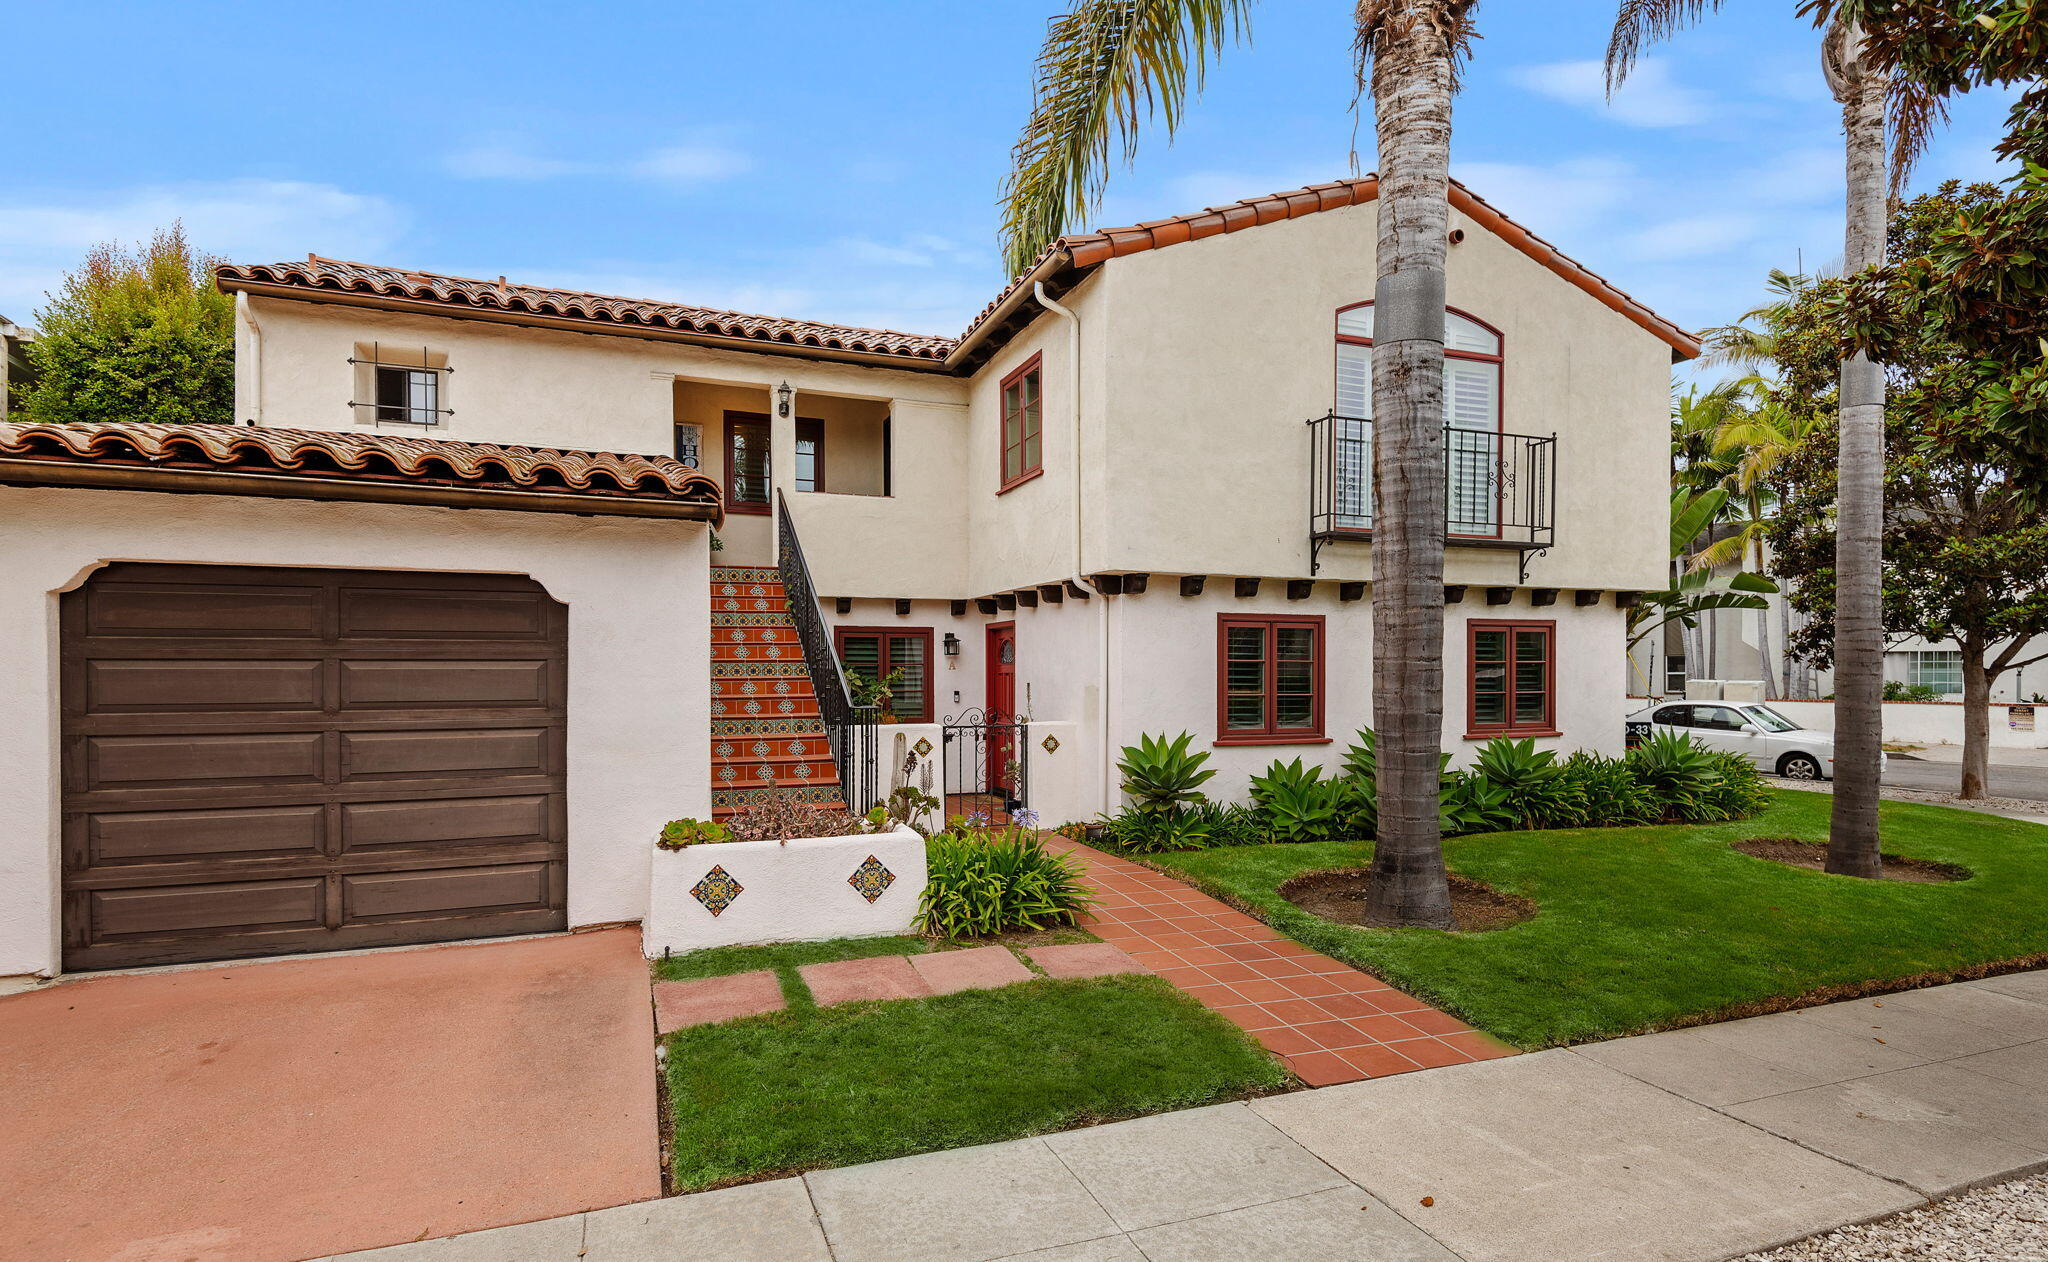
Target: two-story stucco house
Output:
[(1134, 496)]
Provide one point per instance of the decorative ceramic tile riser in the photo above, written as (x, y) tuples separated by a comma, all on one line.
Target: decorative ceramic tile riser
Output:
[(800, 726), (777, 669), (781, 633), (810, 747), (748, 618)]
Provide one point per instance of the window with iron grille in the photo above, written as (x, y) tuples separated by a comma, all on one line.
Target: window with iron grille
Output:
[(1269, 679), (400, 385)]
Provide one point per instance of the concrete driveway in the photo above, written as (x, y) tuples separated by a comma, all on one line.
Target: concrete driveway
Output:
[(295, 1109)]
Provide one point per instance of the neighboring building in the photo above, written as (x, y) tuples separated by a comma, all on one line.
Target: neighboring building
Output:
[(1133, 497), (15, 372)]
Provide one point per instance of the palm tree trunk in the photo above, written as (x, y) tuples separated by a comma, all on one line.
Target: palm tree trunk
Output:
[(1859, 503), (1763, 637), (1794, 672), (1411, 89)]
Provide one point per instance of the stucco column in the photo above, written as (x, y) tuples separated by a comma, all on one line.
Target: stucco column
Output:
[(781, 442)]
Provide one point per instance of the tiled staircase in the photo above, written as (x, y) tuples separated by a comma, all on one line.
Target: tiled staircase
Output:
[(766, 736)]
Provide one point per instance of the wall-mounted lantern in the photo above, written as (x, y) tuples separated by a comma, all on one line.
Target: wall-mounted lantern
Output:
[(952, 644), (782, 394)]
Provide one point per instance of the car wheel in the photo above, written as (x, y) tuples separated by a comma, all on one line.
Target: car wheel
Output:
[(1799, 767)]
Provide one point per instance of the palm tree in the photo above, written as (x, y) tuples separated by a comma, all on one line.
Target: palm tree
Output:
[(1862, 91), (1757, 437), (1105, 68)]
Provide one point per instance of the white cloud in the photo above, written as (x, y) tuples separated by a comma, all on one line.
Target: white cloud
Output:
[(1693, 236), (697, 160), (1649, 98), (249, 219), (1561, 198)]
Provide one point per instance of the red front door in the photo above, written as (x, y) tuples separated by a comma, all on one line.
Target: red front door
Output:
[(1002, 703)]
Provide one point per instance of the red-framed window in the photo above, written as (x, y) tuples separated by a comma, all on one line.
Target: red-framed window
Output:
[(1023, 405), (1269, 679), (746, 462), (876, 651), (1511, 679), (810, 455), (1473, 365)]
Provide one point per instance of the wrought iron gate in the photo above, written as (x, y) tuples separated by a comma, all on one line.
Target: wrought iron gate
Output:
[(986, 764)]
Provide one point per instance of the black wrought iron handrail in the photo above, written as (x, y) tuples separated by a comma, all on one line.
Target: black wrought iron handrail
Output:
[(1500, 488), (850, 729)]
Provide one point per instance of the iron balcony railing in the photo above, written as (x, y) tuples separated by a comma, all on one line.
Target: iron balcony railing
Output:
[(1500, 490), (853, 731)]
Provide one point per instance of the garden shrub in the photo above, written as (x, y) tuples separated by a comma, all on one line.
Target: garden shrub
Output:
[(1601, 792), (982, 881), (1678, 774), (1739, 790), (1296, 803), (1527, 777), (1162, 776)]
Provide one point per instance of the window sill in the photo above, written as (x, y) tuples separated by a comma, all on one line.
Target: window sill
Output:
[(747, 508), (1016, 482), (1512, 731), (1273, 740)]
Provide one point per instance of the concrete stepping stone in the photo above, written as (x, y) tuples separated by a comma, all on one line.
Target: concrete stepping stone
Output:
[(843, 981), (1083, 959), (678, 1005), (980, 968)]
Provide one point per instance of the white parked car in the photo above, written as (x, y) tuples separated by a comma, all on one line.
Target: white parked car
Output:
[(1773, 743)]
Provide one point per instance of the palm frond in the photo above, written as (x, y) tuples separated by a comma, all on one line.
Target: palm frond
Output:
[(1107, 68), (1640, 23), (1912, 115)]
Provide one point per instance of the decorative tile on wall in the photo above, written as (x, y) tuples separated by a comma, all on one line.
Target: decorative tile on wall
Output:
[(871, 878), (717, 890), (1050, 744)]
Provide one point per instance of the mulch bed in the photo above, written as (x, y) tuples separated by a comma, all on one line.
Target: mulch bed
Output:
[(1803, 854), (1339, 896)]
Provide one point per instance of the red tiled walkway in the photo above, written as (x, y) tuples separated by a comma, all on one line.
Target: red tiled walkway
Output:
[(1328, 1021)]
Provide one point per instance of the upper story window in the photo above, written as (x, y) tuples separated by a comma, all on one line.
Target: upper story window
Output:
[(746, 462), (1472, 420), (1269, 685), (810, 455), (400, 385), (1023, 409), (1511, 679)]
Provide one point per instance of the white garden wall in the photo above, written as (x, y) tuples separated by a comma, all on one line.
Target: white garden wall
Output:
[(1928, 722), (781, 891)]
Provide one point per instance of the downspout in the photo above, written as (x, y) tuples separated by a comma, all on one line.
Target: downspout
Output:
[(248, 318), (1103, 620)]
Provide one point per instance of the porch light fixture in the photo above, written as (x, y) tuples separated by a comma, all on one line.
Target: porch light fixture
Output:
[(952, 644), (782, 394)]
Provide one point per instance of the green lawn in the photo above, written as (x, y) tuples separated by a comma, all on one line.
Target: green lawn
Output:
[(812, 1087), (1643, 928)]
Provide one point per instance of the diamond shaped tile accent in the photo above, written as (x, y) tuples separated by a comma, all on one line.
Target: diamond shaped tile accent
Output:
[(717, 890), (1050, 744), (871, 878), (923, 747)]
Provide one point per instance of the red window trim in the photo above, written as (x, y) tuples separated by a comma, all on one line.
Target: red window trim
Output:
[(885, 634), (1004, 486), (1500, 387), (1268, 734), (814, 429), (1474, 729), (733, 503)]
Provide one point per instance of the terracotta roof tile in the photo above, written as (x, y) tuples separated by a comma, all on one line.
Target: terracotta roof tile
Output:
[(361, 457), (389, 282)]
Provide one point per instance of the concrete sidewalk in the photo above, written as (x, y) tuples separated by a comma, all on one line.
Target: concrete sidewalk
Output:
[(1689, 1146)]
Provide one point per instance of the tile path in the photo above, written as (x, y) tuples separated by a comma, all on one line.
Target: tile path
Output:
[(1328, 1021)]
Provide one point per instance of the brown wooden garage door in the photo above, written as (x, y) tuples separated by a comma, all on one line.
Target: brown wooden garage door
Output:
[(260, 761)]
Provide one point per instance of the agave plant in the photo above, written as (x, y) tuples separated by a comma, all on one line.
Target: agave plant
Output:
[(1297, 803), (1161, 776)]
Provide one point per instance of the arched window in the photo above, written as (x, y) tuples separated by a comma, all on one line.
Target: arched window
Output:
[(1472, 420)]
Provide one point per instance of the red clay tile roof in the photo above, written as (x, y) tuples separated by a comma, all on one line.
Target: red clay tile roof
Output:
[(1083, 251), (382, 458), (1062, 265), (460, 291)]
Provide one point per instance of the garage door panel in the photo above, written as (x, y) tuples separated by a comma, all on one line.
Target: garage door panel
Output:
[(114, 762), (384, 612), (445, 891), (117, 686), (372, 685), (202, 609), (366, 825), (207, 909), (451, 752), (177, 836)]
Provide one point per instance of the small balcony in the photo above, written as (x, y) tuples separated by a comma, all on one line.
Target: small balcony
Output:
[(1500, 489)]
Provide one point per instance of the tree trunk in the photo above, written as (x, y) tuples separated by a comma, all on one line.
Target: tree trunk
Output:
[(1859, 497), (1976, 721), (1763, 638), (1411, 90), (1794, 673)]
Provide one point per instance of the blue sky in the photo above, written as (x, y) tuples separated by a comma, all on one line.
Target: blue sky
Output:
[(841, 161)]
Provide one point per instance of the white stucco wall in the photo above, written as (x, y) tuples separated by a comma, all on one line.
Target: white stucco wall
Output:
[(639, 633), (1927, 722), (790, 891)]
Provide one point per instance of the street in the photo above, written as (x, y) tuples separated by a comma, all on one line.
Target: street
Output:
[(2028, 782)]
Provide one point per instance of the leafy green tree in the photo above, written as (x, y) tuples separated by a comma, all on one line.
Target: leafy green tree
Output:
[(136, 336), (1965, 543), (1105, 68)]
